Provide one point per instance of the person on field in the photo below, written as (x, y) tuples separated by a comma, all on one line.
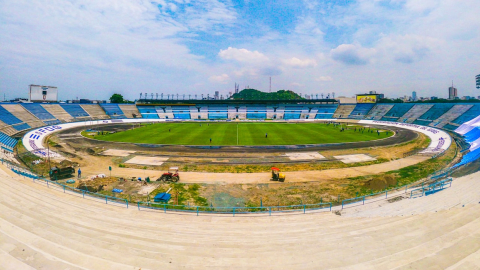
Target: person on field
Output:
[(266, 135), (79, 173), (210, 140)]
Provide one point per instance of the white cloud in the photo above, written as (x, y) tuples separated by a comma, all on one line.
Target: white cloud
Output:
[(298, 63), (242, 55), (407, 48), (351, 54), (224, 78), (324, 79)]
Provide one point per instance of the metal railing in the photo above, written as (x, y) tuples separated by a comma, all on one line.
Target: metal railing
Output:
[(327, 206)]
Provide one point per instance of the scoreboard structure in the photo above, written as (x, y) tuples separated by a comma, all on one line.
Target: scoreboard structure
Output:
[(41, 93)]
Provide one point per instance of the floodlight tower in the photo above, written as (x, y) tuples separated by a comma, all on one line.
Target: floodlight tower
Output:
[(140, 95), (477, 79)]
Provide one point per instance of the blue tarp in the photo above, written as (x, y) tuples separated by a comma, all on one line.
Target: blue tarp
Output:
[(162, 197), (116, 190)]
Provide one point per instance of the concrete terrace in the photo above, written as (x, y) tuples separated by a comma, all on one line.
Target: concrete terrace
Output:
[(43, 228)]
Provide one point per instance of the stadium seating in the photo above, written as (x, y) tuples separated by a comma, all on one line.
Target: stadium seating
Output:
[(37, 110), (378, 111), (113, 110), (58, 112), (218, 112), (256, 112), (130, 110), (25, 116), (8, 118), (7, 142), (343, 111), (291, 112), (9, 130), (473, 112), (75, 110), (450, 127), (361, 110), (453, 113), (416, 111), (397, 111), (94, 110), (21, 127), (326, 111), (436, 111), (164, 112), (148, 112), (181, 112)]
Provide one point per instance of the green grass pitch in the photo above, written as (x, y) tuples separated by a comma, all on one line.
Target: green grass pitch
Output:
[(243, 133)]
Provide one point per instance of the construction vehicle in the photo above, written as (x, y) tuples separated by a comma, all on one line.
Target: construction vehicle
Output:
[(60, 173), (276, 175), (170, 176)]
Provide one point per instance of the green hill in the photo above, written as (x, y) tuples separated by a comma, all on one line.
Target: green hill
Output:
[(253, 94)]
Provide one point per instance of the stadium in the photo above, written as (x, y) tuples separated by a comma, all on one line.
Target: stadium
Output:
[(365, 176), (235, 134)]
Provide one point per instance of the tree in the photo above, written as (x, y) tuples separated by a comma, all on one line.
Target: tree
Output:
[(116, 98)]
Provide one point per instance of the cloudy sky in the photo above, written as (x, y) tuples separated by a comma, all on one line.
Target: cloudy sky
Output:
[(93, 48)]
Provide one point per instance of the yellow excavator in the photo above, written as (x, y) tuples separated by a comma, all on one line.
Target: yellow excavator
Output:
[(276, 175)]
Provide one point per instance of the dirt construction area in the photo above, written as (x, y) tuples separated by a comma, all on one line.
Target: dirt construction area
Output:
[(241, 176), (315, 163)]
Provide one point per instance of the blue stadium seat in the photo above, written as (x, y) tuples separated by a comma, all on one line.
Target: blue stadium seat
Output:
[(361, 110), (181, 112), (75, 110), (397, 111), (8, 118), (292, 112), (218, 112), (113, 110), (326, 111), (37, 110), (256, 112), (21, 126), (436, 111), (468, 115), (7, 141), (450, 127), (148, 112)]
